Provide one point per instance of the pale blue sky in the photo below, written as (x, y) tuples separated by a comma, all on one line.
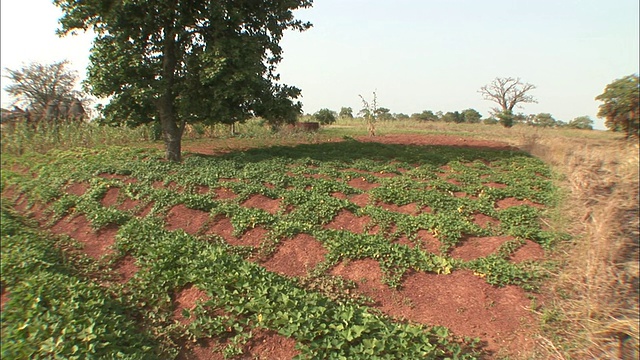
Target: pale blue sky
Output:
[(416, 54)]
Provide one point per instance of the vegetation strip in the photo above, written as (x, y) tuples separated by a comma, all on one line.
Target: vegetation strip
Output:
[(454, 184)]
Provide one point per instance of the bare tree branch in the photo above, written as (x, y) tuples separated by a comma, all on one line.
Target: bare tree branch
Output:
[(508, 92), (36, 85)]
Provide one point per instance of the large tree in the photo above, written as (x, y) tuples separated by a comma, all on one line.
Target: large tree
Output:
[(507, 93), (36, 85), (383, 113), (177, 62), (544, 120), (581, 122), (620, 108), (325, 116), (471, 116), (426, 115), (453, 117), (346, 113)]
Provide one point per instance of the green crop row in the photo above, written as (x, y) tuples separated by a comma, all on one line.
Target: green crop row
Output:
[(311, 185)]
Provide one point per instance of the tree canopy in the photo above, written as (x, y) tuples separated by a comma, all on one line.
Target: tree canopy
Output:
[(325, 116), (426, 115), (179, 62), (544, 120), (453, 117), (620, 108), (36, 85), (383, 113), (346, 112), (581, 122), (471, 116)]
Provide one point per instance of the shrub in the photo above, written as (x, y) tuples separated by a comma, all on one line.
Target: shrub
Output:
[(325, 116)]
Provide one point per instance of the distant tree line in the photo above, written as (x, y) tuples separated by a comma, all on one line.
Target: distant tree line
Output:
[(469, 116), (47, 92)]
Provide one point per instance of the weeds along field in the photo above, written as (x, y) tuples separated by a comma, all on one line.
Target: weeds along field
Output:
[(321, 246)]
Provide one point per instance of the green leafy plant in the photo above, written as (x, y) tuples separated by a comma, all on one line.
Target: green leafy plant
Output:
[(321, 312)]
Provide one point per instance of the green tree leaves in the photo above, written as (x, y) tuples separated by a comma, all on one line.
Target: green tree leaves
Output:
[(581, 122), (178, 62), (325, 116), (621, 105), (346, 113)]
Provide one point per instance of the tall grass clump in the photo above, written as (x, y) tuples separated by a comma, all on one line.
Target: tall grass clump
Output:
[(594, 313), (22, 138)]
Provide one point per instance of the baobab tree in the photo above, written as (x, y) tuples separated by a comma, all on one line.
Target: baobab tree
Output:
[(507, 93)]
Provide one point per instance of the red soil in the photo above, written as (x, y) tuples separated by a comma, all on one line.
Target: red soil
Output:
[(187, 300), (461, 301), (189, 220), (410, 209), (3, 299), (509, 202), (362, 184), (77, 189), (474, 247), (96, 243), (346, 220), (224, 194), (126, 268), (262, 202), (295, 257), (263, 345)]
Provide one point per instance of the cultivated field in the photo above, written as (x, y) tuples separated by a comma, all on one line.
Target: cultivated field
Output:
[(429, 241)]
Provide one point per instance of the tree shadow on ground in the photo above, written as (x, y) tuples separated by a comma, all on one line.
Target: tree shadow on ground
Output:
[(353, 150)]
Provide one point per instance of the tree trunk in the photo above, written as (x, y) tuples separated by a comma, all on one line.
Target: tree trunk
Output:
[(171, 131)]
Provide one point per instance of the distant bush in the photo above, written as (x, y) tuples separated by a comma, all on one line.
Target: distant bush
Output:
[(581, 122), (325, 116), (346, 113), (506, 118)]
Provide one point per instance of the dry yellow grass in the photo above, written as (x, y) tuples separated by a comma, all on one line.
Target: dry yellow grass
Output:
[(593, 313)]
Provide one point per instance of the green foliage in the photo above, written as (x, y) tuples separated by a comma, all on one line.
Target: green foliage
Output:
[(490, 121), (178, 63), (500, 272), (505, 118), (325, 116), (471, 116), (383, 114), (346, 113), (621, 105), (544, 120), (426, 115), (521, 118), (53, 312), (581, 122), (453, 117), (312, 182)]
